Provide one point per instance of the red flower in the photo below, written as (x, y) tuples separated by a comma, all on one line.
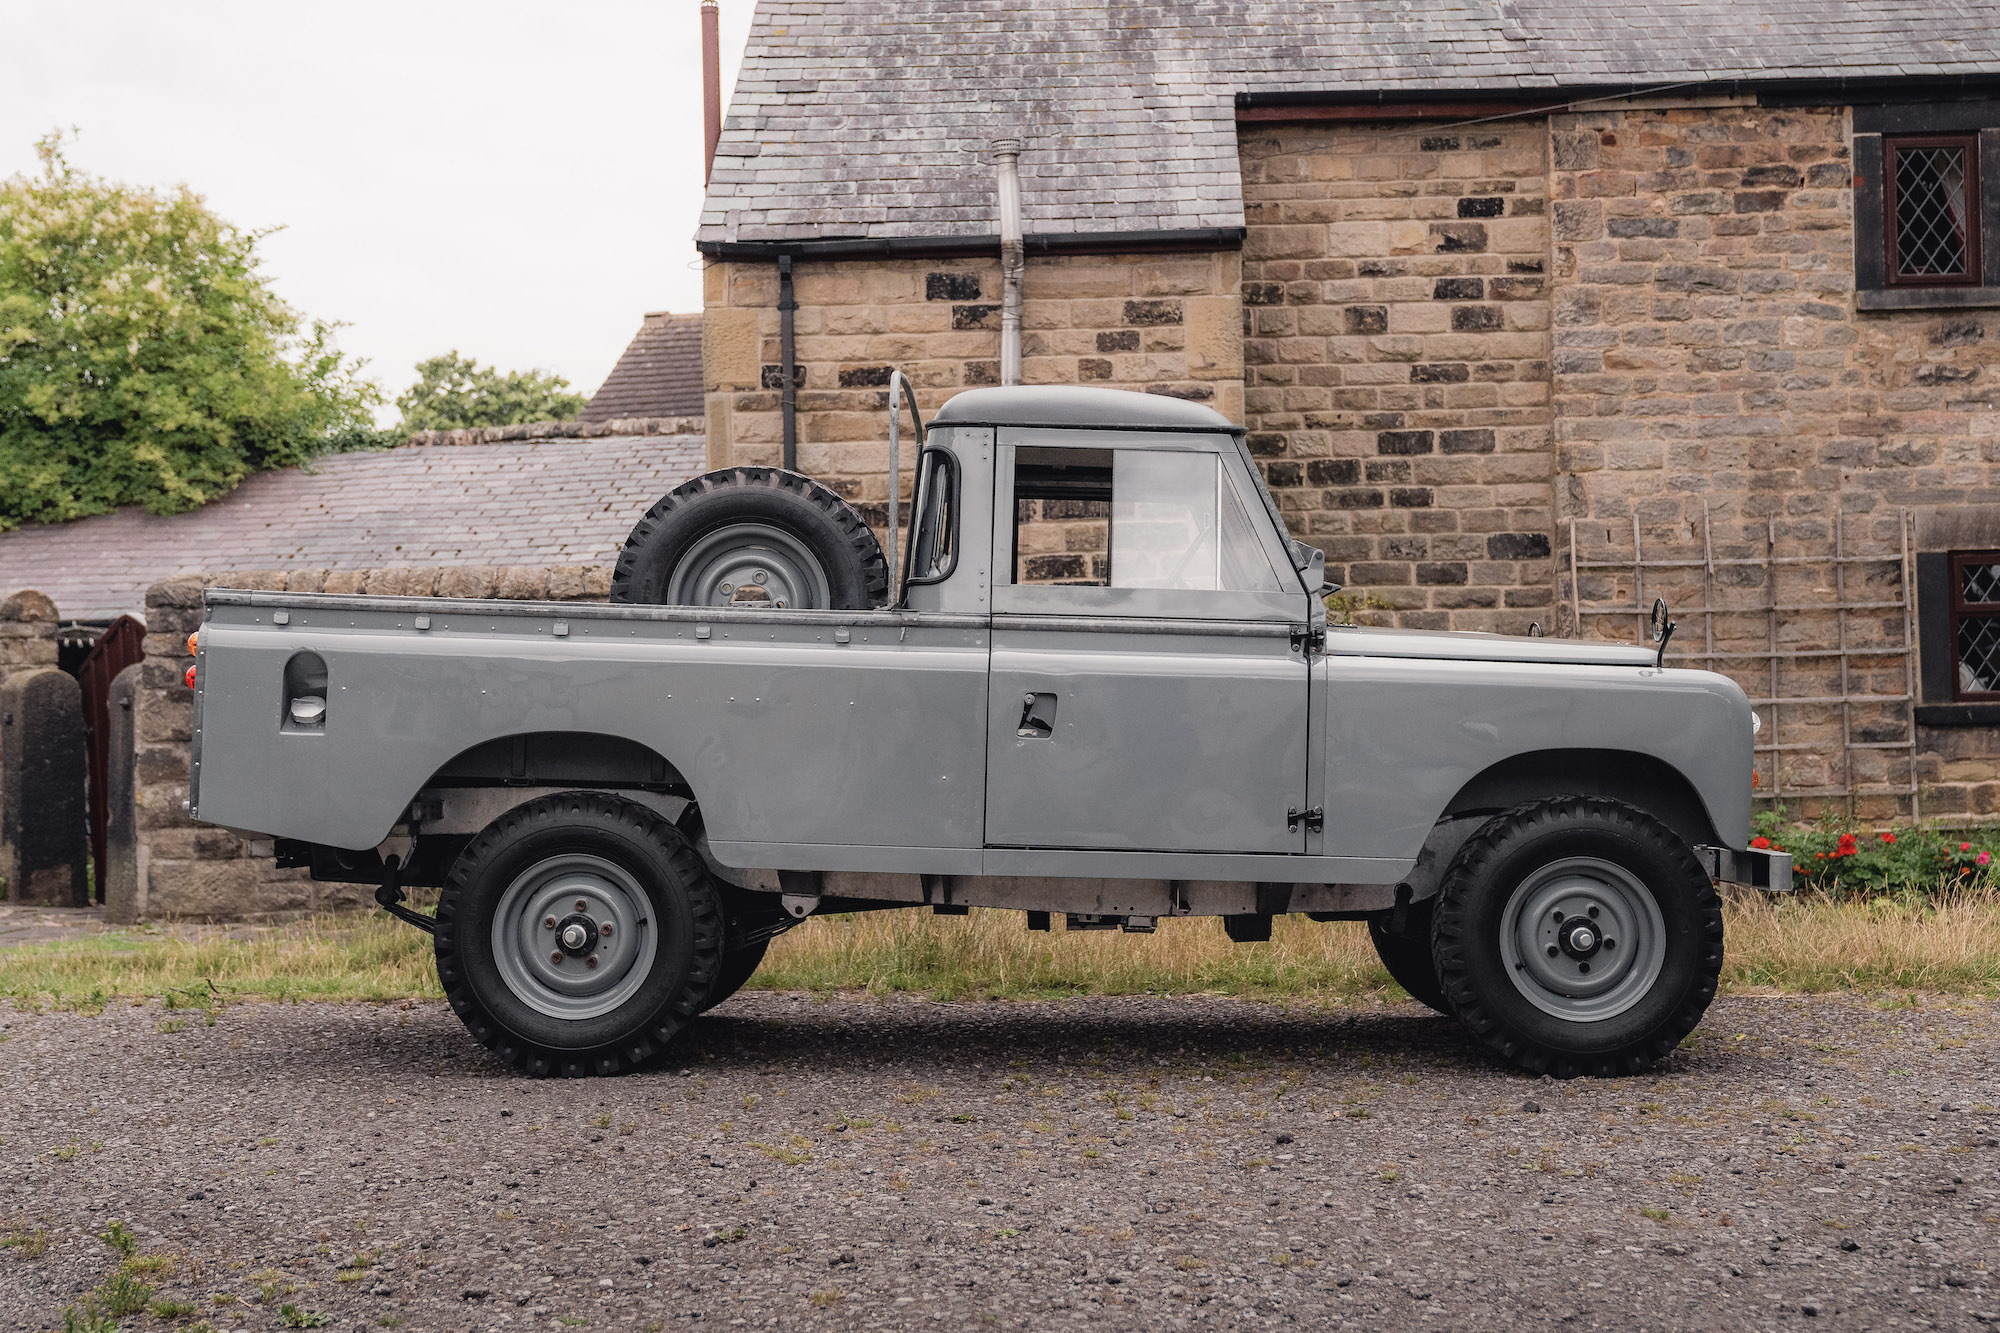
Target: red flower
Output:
[(1848, 844), (1965, 846), (1760, 842), (1889, 838)]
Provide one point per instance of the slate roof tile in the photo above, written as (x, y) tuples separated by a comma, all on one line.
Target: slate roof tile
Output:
[(658, 376), (874, 118), (559, 501)]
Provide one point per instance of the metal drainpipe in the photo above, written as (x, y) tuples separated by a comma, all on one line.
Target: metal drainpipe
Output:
[(1007, 157), (786, 380)]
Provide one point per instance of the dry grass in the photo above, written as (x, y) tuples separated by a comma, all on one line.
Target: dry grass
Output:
[(1810, 944), (1798, 945)]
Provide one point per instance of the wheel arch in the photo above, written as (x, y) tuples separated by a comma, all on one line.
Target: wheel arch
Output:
[(1638, 779), (561, 758)]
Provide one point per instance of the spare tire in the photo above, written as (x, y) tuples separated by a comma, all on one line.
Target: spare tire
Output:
[(752, 536)]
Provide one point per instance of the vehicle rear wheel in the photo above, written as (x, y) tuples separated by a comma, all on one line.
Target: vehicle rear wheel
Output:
[(577, 934), (752, 536), (738, 965), (1408, 955), (1578, 936)]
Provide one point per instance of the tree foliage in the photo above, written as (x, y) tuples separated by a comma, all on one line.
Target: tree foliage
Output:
[(455, 392), (144, 357)]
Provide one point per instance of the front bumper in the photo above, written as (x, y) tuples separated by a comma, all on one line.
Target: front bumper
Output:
[(1753, 868)]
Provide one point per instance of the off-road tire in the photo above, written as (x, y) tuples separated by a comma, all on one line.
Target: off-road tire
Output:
[(686, 919), (857, 575), (738, 965), (1408, 955), (1503, 856)]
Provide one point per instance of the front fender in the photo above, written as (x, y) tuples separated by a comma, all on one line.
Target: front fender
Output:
[(1405, 736)]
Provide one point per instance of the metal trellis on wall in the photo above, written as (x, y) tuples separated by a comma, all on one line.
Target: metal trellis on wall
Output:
[(1810, 665)]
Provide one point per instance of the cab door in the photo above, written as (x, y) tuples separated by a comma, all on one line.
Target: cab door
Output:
[(1148, 691)]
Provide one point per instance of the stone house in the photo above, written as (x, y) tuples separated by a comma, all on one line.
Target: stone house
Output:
[(1533, 310)]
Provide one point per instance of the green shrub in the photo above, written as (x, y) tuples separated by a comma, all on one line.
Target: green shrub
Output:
[(144, 358), (1844, 860)]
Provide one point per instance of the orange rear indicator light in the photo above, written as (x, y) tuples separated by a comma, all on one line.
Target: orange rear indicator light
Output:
[(194, 641)]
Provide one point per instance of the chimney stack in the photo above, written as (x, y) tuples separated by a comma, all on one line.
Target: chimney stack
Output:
[(711, 84)]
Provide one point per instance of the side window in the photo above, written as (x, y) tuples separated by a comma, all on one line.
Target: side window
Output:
[(1135, 518), (1975, 625), (1930, 210), (1926, 205)]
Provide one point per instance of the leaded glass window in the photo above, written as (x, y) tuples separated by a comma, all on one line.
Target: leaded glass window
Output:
[(1931, 205), (1975, 624)]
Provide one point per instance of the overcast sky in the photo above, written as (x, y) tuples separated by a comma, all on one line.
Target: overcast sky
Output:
[(519, 181)]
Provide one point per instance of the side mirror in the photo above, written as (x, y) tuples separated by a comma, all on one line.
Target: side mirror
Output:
[(1663, 630)]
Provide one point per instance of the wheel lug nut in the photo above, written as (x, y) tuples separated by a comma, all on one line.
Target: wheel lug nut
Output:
[(1610, 944), (1593, 914), (605, 930), (1552, 951), (590, 961), (1559, 916), (548, 923), (581, 905), (556, 957), (1583, 967)]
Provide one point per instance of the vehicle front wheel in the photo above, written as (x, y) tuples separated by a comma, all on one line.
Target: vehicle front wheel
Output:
[(577, 934), (1578, 935)]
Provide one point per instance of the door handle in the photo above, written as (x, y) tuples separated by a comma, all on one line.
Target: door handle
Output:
[(1038, 716)]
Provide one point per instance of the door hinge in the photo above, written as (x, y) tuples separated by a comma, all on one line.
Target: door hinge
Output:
[(1310, 637), (1314, 818)]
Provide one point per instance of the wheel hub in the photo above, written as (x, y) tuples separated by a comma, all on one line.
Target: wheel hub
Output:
[(577, 935), (573, 936), (1583, 939), (749, 564)]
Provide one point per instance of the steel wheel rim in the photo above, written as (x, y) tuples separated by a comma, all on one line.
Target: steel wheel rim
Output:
[(1556, 908), (749, 564), (526, 945)]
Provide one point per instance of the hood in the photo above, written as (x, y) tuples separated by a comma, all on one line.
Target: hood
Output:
[(1464, 645)]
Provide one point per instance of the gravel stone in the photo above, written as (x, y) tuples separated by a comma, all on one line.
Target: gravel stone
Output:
[(1139, 1163)]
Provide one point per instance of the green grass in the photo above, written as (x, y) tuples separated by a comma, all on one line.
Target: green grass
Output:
[(1795, 944)]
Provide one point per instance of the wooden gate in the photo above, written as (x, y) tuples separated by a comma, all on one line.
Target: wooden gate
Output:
[(117, 648)]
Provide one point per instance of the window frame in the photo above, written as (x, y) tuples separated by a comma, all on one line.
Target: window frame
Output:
[(1968, 143), (1962, 610), (1108, 604)]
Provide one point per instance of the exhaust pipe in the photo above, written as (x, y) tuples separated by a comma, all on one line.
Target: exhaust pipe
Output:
[(1013, 259)]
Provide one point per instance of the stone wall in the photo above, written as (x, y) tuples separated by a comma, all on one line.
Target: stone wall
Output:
[(1396, 295), (1168, 323), (1714, 381), (190, 871)]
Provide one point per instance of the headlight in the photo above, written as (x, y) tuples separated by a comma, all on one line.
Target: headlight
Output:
[(1756, 723)]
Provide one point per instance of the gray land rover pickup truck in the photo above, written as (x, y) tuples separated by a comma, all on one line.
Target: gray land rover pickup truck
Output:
[(623, 803)]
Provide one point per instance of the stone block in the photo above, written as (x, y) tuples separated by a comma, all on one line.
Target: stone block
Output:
[(1214, 337), (730, 347), (43, 844)]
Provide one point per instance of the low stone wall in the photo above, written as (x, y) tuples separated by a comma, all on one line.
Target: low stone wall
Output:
[(195, 872), (562, 430)]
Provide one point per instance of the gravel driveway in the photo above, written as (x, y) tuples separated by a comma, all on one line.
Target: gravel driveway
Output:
[(849, 1163)]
